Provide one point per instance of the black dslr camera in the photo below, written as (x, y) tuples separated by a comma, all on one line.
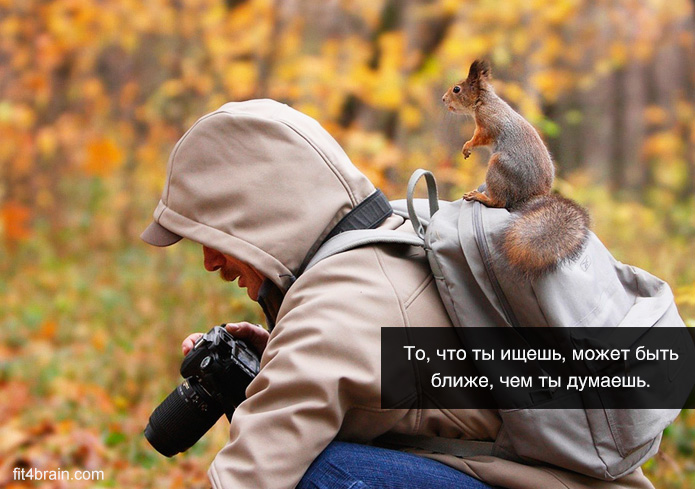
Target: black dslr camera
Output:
[(216, 371)]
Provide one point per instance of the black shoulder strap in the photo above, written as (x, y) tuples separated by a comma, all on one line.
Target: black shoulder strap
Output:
[(368, 214)]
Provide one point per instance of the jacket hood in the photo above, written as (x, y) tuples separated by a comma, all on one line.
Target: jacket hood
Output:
[(258, 181)]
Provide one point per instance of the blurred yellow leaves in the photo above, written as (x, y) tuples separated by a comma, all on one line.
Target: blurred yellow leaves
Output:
[(95, 93), (685, 295), (411, 116), (384, 87), (17, 115), (47, 142), (556, 12), (462, 49), (551, 82), (662, 144), (241, 79), (373, 154)]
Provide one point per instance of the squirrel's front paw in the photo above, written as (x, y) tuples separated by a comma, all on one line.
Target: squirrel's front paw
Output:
[(466, 151), (472, 195)]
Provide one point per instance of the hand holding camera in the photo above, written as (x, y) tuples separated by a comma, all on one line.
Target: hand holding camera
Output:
[(253, 334), (217, 369)]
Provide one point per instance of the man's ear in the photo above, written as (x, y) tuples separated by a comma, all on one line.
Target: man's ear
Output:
[(479, 70)]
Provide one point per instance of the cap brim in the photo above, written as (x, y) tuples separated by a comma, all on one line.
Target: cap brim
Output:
[(158, 235)]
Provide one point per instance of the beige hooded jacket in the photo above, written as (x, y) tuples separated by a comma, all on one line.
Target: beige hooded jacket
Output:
[(264, 183)]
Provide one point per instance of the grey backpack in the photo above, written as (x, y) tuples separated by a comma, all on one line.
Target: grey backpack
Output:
[(593, 291)]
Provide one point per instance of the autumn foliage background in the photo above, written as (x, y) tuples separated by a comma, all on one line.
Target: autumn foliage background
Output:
[(95, 93)]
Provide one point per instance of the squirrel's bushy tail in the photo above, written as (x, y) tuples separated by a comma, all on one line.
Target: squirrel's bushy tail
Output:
[(545, 232)]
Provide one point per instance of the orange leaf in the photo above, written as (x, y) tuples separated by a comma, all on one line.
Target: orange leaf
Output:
[(103, 156), (48, 330), (15, 218)]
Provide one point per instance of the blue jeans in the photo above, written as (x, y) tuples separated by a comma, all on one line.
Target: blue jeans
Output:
[(351, 466)]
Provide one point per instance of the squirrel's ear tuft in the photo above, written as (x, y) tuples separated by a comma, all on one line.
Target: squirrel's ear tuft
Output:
[(479, 69)]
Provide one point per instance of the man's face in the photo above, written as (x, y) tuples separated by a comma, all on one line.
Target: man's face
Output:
[(230, 269)]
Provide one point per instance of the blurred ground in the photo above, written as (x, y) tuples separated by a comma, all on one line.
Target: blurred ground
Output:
[(95, 93)]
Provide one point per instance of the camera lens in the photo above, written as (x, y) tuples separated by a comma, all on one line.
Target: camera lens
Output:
[(182, 418)]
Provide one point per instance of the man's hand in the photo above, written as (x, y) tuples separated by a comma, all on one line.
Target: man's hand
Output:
[(253, 334)]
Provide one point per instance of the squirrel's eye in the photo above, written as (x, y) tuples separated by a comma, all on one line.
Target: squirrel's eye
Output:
[(456, 89)]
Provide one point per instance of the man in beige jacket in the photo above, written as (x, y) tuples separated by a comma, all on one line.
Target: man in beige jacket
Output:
[(261, 186)]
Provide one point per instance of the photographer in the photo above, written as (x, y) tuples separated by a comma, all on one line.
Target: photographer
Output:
[(261, 187)]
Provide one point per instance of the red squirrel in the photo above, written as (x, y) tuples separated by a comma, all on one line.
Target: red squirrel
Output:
[(547, 229)]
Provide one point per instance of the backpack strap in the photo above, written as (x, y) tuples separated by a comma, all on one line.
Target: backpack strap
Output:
[(349, 240), (368, 214)]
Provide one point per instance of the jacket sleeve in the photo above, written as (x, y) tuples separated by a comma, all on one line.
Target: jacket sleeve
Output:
[(322, 360)]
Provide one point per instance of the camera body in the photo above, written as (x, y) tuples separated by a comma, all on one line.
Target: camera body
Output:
[(217, 372), (224, 366)]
